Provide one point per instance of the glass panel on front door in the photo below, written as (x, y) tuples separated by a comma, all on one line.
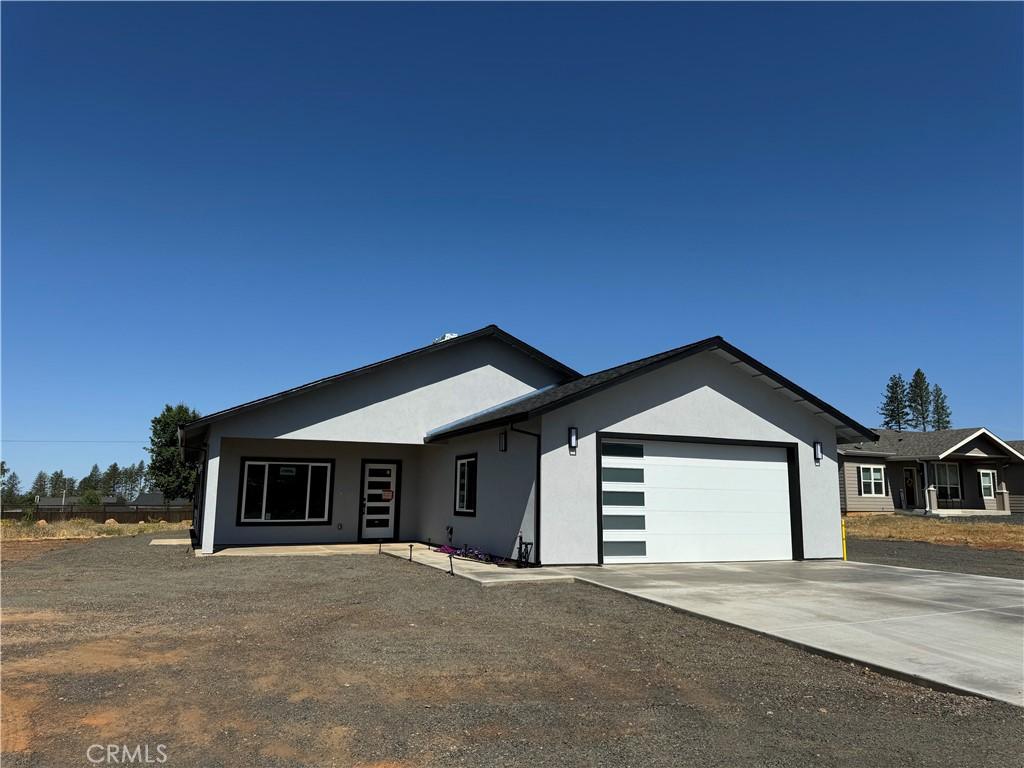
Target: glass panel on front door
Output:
[(379, 500)]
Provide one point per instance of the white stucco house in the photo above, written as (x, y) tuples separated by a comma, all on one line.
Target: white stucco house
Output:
[(700, 453)]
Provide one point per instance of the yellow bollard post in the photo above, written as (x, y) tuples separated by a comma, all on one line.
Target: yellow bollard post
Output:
[(843, 522)]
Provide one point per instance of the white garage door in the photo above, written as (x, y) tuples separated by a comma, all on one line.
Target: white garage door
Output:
[(665, 502)]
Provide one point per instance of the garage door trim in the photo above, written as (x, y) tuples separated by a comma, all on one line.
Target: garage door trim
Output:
[(796, 527)]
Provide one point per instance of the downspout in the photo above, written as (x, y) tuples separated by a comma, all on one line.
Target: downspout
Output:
[(536, 495)]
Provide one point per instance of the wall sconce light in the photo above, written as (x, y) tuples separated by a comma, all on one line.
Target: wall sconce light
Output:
[(502, 441), (574, 440), (817, 453)]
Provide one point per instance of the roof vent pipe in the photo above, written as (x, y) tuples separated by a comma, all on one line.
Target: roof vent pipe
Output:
[(447, 336)]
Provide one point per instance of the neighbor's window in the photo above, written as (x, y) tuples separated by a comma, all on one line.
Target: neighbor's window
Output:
[(465, 485), (276, 491), (872, 481), (947, 481), (987, 478)]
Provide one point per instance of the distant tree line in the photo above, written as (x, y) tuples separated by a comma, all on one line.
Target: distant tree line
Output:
[(124, 483), (915, 405), (166, 471)]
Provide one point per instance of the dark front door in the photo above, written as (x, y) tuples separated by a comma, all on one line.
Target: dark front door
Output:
[(381, 485), (910, 487)]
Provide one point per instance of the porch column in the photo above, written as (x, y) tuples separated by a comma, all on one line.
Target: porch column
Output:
[(212, 470), (1002, 497), (933, 498)]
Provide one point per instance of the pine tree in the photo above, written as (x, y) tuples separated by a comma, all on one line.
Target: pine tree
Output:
[(942, 417), (93, 481), (57, 483), (894, 410), (39, 485), (11, 487), (110, 484), (919, 400)]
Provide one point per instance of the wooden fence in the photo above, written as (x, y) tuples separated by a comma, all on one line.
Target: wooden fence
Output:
[(123, 513)]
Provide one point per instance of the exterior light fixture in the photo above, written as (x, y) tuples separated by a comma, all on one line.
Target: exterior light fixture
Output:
[(817, 453), (502, 441), (574, 440)]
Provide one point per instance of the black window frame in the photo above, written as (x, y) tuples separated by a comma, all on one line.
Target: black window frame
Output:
[(472, 485), (244, 461)]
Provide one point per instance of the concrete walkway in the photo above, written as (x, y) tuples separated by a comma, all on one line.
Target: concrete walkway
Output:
[(953, 630), (484, 574)]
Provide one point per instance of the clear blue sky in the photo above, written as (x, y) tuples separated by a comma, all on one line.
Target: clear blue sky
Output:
[(210, 203)]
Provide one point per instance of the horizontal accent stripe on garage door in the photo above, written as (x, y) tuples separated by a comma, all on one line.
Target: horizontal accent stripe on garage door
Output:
[(700, 500)]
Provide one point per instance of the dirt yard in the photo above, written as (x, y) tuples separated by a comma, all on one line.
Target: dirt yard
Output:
[(368, 660), (992, 533), (16, 530)]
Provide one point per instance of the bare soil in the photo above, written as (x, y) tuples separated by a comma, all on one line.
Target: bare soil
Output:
[(369, 660)]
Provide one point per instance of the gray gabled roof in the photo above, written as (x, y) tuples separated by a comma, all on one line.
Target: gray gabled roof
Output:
[(494, 331), (917, 445), (546, 400)]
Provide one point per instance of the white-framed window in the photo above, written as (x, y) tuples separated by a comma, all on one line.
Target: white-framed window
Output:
[(987, 481), (947, 481), (465, 485), (285, 491), (872, 481)]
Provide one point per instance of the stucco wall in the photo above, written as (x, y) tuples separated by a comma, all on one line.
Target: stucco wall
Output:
[(344, 525), (698, 396), (402, 401), (505, 492)]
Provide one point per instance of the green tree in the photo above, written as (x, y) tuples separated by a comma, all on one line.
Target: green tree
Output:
[(90, 497), (110, 483), (93, 481), (895, 411), (39, 485), (57, 483), (919, 399), (11, 492), (168, 473), (942, 417)]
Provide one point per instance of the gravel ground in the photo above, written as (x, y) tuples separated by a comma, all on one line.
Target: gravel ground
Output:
[(938, 557), (348, 660)]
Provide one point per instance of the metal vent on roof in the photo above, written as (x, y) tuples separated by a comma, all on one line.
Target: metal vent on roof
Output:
[(447, 336)]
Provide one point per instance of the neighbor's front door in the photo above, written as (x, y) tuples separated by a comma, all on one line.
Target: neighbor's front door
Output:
[(379, 500), (910, 487)]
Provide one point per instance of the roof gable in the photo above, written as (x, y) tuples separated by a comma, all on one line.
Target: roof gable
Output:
[(563, 372), (933, 445), (544, 401)]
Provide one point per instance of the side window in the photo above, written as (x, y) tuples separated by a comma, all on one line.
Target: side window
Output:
[(465, 485)]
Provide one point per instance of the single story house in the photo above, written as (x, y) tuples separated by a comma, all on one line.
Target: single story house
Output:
[(946, 472), (699, 453), (156, 499), (67, 501)]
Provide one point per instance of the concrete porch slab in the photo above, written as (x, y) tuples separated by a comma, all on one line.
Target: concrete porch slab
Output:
[(295, 550), (169, 542)]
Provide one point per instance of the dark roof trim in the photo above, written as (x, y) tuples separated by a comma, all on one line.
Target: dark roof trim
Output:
[(657, 361), (488, 331)]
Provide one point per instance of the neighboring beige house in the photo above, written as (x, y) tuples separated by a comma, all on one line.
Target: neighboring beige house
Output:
[(946, 472)]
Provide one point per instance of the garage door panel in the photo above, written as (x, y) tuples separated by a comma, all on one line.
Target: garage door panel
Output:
[(698, 502)]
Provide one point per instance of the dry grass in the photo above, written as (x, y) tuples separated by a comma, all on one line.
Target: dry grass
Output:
[(932, 531), (15, 530)]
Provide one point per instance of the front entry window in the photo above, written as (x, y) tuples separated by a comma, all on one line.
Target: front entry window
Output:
[(987, 479), (285, 491), (947, 482)]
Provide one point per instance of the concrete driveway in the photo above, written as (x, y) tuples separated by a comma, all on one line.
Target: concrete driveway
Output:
[(957, 630)]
